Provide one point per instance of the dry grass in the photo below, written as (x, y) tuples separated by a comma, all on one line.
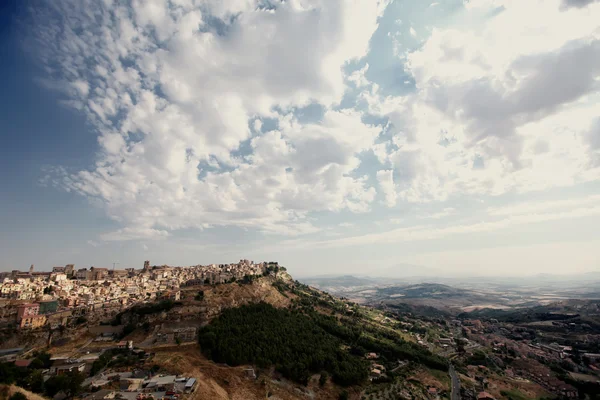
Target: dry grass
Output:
[(221, 382), (7, 391)]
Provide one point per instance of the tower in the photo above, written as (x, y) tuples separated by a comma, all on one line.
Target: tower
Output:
[(31, 270), (146, 265)]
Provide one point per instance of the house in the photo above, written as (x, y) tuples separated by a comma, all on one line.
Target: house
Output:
[(250, 373), (22, 363), (64, 368), (33, 322), (485, 396), (190, 385), (371, 356), (160, 383), (125, 344), (48, 306), (98, 273), (27, 310)]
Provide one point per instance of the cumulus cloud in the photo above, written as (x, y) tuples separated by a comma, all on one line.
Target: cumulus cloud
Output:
[(498, 106), (197, 105), (176, 91), (577, 3), (386, 183)]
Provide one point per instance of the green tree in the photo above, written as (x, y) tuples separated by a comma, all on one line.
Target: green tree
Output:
[(68, 383), (18, 396), (35, 381), (323, 378)]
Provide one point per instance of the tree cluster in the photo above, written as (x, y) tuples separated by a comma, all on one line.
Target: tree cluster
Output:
[(31, 377), (291, 341)]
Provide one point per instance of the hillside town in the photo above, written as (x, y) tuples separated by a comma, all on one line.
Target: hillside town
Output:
[(33, 299)]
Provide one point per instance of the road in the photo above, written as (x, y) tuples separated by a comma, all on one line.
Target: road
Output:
[(455, 383)]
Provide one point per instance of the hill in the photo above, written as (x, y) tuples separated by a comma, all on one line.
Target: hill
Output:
[(338, 283), (299, 342)]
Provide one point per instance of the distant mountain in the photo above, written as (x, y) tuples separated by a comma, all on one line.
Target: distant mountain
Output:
[(344, 281), (424, 290)]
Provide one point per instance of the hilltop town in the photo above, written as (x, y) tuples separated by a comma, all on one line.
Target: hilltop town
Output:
[(198, 332), (52, 297)]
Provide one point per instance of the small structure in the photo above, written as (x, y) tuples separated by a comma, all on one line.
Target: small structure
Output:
[(125, 344), (190, 385), (250, 373), (22, 363), (160, 384), (64, 368), (485, 396)]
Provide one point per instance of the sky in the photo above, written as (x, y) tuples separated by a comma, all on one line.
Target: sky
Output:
[(334, 136)]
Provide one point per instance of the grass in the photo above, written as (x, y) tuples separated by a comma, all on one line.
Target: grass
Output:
[(514, 395)]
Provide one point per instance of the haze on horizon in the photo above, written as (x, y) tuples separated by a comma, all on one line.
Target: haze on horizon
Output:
[(336, 137)]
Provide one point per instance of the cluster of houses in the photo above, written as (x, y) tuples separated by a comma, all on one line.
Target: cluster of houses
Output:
[(141, 388), (30, 298)]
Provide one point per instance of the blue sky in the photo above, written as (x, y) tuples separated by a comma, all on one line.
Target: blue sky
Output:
[(333, 136)]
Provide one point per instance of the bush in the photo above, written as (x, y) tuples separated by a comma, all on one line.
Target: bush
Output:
[(18, 396), (323, 378)]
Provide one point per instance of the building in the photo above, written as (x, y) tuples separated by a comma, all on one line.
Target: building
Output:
[(64, 368), (98, 273), (32, 322), (190, 385), (160, 384), (69, 269), (125, 344), (171, 295), (27, 310), (48, 306), (83, 274)]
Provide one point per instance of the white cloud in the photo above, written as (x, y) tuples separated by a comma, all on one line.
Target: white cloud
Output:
[(500, 106), (194, 103), (545, 206), (577, 3), (430, 232), (358, 77), (446, 212), (173, 95), (386, 183)]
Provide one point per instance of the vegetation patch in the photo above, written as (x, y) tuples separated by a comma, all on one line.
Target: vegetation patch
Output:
[(290, 340)]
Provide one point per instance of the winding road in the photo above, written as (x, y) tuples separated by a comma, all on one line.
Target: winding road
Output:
[(455, 383)]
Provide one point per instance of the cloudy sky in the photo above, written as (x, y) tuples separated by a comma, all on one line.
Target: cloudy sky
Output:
[(336, 136)]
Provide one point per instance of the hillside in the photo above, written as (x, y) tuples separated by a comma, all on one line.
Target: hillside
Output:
[(299, 342), (8, 390)]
